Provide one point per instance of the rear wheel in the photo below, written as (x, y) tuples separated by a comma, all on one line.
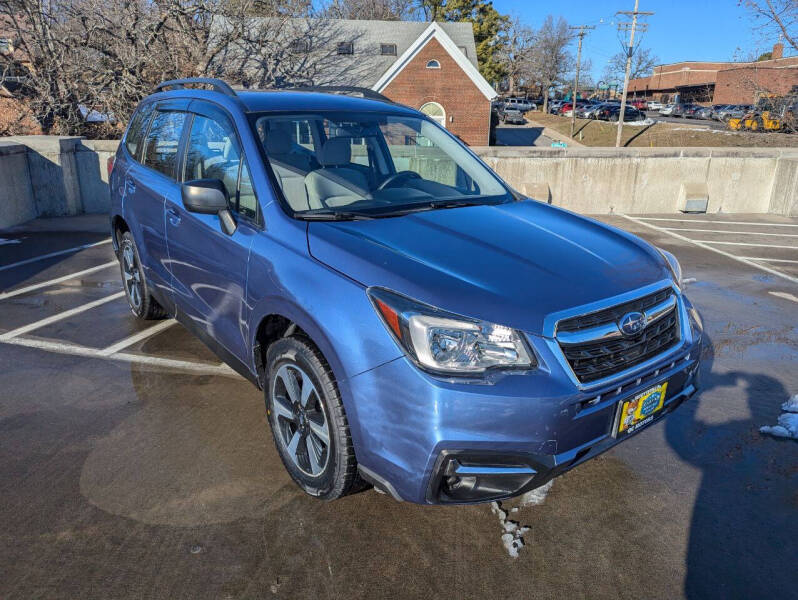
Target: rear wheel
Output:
[(143, 305), (308, 422)]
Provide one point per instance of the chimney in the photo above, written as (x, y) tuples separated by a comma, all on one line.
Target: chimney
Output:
[(778, 51)]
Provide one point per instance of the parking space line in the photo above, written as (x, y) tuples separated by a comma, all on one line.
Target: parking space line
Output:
[(744, 244), (141, 335), (795, 235), (778, 260), (712, 221), (77, 350), (745, 261), (53, 254), (50, 282), (59, 317)]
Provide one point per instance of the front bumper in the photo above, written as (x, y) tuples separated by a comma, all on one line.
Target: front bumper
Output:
[(414, 432)]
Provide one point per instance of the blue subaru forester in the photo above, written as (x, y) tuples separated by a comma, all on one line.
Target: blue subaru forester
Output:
[(414, 322)]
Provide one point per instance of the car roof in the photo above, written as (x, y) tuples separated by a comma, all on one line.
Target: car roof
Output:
[(289, 101)]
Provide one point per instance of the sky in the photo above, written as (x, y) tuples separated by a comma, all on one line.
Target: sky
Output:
[(717, 30)]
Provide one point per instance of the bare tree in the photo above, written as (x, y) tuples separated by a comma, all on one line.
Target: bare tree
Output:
[(643, 63), (517, 54), (775, 16), (551, 61), (382, 10), (100, 58)]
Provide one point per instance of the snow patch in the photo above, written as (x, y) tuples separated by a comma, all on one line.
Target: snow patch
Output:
[(536, 496), (788, 422), (791, 405), (642, 123), (513, 531)]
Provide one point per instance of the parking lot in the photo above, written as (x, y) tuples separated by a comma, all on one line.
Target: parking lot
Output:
[(133, 463)]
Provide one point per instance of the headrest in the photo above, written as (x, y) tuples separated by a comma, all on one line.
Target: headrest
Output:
[(335, 152), (277, 143)]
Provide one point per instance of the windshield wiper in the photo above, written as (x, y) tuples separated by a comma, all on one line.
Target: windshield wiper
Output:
[(334, 215), (433, 205)]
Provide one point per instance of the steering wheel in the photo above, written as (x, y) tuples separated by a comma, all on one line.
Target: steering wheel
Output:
[(396, 177)]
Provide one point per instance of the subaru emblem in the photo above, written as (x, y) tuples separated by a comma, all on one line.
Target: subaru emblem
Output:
[(632, 323)]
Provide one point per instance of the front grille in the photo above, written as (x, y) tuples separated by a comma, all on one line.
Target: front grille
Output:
[(596, 359), (614, 313)]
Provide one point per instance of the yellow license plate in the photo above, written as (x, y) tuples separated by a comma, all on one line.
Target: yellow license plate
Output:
[(639, 411)]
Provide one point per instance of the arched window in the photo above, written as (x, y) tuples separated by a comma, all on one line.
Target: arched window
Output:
[(435, 112), (433, 64)]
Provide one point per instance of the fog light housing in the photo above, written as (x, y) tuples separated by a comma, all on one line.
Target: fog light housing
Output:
[(481, 480)]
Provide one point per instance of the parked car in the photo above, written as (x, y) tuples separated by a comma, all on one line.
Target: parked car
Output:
[(554, 106), (612, 112), (736, 111), (513, 116), (655, 105), (589, 112), (639, 103), (705, 112), (692, 111), (683, 109), (424, 329), (667, 110), (586, 110), (520, 104)]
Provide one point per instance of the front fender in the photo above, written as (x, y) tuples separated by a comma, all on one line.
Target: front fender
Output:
[(331, 308)]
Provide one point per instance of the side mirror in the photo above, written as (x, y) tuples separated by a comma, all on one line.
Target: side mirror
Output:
[(205, 196), (209, 197)]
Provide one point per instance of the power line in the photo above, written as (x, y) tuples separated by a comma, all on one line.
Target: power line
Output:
[(623, 27), (583, 29)]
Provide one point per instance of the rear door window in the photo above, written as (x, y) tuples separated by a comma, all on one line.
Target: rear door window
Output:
[(138, 126), (162, 143)]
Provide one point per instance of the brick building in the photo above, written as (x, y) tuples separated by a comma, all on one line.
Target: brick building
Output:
[(719, 82), (435, 76), (431, 67)]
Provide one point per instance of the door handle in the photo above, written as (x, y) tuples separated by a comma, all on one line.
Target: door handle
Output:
[(174, 217)]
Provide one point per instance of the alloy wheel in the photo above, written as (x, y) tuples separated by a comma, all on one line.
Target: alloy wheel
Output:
[(300, 420), (131, 272)]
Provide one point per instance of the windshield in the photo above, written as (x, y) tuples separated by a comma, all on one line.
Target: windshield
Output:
[(370, 165)]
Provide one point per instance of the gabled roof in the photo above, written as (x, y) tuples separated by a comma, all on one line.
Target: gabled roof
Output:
[(365, 67), (437, 32)]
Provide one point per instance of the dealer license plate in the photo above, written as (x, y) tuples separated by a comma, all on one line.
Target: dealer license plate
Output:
[(639, 411)]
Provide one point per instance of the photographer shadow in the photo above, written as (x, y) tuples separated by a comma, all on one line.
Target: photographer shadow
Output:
[(743, 535)]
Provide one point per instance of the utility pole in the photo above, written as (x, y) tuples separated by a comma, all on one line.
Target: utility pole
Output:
[(631, 28), (582, 33)]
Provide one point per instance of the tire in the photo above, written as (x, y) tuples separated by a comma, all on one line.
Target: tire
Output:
[(137, 290), (313, 440)]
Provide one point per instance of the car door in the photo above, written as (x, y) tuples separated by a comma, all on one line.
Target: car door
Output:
[(209, 266), (149, 184)]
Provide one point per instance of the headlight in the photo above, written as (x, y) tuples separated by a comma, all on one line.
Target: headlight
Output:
[(676, 268), (449, 343)]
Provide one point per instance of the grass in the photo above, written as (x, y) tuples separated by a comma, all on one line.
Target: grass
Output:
[(660, 135)]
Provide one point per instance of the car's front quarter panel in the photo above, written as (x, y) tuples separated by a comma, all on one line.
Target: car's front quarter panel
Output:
[(331, 308)]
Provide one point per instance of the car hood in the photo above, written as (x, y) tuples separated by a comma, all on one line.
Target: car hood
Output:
[(510, 264)]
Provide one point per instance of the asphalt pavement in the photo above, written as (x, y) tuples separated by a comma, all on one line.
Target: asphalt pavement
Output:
[(133, 464)]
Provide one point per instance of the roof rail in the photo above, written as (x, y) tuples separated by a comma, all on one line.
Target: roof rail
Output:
[(341, 89), (217, 84)]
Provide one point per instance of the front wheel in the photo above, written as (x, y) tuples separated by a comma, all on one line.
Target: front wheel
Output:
[(307, 419), (143, 305)]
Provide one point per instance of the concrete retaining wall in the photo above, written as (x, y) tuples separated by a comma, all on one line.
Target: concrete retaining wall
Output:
[(653, 180), (48, 176), (51, 176)]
